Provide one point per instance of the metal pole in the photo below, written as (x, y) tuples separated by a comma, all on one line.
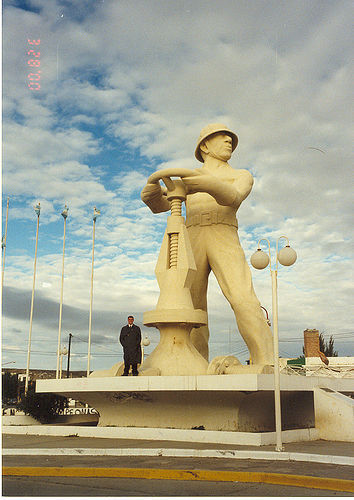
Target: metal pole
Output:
[(4, 245), (63, 352), (67, 370), (61, 294), (91, 296), (279, 445), (287, 259), (61, 365), (32, 300)]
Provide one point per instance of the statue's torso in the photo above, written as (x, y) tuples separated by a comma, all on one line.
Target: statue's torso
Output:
[(198, 203)]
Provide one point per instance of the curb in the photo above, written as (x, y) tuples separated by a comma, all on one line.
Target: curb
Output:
[(321, 483), (213, 438), (176, 452)]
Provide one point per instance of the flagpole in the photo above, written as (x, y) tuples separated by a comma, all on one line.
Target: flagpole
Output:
[(4, 246), (37, 209), (95, 214), (65, 215)]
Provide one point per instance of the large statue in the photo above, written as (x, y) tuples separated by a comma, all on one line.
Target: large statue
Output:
[(213, 198)]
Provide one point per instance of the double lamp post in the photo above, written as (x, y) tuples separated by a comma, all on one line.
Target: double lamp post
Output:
[(260, 260)]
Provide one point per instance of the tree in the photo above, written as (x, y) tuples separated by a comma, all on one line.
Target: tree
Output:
[(328, 347), (42, 407), (9, 386)]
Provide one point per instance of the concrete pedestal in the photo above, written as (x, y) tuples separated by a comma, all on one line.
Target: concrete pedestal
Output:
[(239, 403)]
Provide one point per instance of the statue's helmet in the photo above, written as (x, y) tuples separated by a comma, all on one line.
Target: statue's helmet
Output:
[(210, 129)]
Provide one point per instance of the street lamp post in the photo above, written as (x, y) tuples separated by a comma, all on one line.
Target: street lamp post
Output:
[(37, 210), (96, 213), (144, 343), (65, 215), (260, 260), (63, 352), (3, 245)]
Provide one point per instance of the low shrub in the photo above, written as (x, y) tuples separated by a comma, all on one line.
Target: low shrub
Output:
[(42, 407)]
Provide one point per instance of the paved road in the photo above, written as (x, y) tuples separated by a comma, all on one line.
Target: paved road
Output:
[(127, 487), (121, 487)]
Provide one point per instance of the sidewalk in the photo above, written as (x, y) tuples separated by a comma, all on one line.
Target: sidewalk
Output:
[(330, 452)]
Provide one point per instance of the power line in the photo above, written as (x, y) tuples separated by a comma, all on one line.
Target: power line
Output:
[(300, 341), (51, 353), (98, 344)]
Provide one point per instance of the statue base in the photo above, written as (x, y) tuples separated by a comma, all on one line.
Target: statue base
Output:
[(175, 354), (239, 403)]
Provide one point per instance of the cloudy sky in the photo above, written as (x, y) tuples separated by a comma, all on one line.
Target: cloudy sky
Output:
[(125, 88)]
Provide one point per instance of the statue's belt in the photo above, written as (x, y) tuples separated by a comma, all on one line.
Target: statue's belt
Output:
[(209, 217)]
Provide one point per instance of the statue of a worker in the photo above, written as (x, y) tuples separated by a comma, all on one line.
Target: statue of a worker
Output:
[(214, 196)]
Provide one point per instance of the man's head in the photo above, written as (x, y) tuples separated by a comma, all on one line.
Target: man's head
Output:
[(130, 320), (215, 140)]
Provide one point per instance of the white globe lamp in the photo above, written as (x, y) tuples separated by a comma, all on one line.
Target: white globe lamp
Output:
[(287, 256), (259, 259)]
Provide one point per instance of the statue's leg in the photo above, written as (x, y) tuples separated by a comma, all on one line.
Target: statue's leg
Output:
[(200, 336), (228, 262)]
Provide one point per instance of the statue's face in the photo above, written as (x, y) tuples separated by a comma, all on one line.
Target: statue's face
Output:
[(219, 146)]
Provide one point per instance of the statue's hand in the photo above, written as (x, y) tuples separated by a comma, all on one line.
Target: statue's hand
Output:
[(154, 196), (203, 182), (151, 191), (225, 193)]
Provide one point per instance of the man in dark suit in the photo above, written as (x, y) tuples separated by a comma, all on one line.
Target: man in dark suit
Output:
[(130, 338)]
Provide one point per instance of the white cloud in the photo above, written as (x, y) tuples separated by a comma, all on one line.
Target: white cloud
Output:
[(125, 91)]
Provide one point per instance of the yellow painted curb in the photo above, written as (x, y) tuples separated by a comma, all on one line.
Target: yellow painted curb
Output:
[(323, 483)]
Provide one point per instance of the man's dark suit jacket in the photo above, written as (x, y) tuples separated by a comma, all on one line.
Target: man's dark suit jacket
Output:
[(130, 338)]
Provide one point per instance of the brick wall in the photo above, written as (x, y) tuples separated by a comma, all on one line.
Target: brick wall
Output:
[(311, 343)]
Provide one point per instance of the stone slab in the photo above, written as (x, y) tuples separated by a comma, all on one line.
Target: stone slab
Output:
[(236, 382), (196, 436)]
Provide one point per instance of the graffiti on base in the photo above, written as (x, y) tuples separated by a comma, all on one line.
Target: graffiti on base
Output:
[(78, 411)]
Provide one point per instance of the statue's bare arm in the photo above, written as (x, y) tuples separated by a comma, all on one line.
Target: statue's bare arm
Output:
[(230, 192), (227, 192)]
